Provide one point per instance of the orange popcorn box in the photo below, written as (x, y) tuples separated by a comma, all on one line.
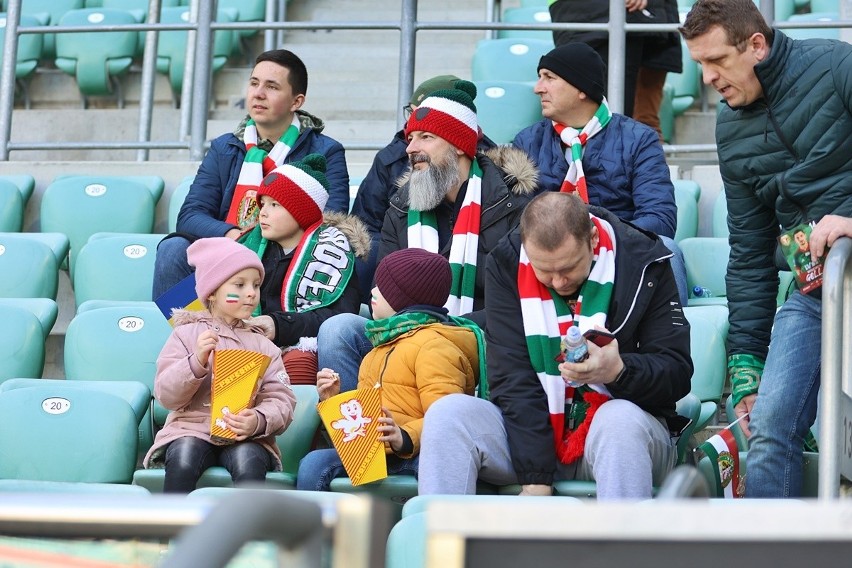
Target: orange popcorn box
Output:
[(237, 375), (351, 419)]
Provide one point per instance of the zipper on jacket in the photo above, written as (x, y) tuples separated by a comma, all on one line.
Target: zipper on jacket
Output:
[(385, 366)]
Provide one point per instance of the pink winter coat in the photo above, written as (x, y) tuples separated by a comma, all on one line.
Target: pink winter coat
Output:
[(183, 386)]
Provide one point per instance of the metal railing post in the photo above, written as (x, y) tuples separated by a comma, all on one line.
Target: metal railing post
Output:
[(615, 65), (407, 48), (836, 301), (149, 70), (269, 34), (188, 74), (202, 79), (7, 75)]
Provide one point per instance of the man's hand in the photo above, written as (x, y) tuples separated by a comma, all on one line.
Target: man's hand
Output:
[(602, 366), (328, 383), (744, 407), (537, 490), (266, 323), (634, 5), (829, 229)]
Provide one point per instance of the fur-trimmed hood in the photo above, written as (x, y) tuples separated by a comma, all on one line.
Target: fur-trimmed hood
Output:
[(354, 229), (519, 171)]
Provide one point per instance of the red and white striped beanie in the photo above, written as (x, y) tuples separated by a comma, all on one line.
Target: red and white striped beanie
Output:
[(300, 187), (451, 114)]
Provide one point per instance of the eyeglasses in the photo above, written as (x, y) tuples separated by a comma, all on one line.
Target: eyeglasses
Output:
[(407, 110)]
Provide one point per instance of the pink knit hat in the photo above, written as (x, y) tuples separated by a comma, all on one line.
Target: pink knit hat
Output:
[(216, 259), (414, 276)]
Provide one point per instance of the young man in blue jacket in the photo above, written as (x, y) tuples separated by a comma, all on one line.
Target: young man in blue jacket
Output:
[(221, 201)]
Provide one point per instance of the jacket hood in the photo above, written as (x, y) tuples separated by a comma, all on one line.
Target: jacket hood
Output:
[(306, 121), (518, 170), (354, 229), (187, 317)]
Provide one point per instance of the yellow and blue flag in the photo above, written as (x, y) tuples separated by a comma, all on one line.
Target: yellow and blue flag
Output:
[(181, 296)]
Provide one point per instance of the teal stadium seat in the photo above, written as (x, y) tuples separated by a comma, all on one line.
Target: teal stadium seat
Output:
[(28, 55), (97, 59), (11, 207), (64, 434), (294, 444), (171, 49), (47, 12), (28, 267), (508, 59), (116, 266), (709, 359), (24, 182), (44, 309), (504, 108), (99, 204), (720, 216), (75, 487), (810, 33), (246, 11), (706, 260), (684, 89), (139, 10), (535, 3), (176, 201), (687, 212), (527, 15), (21, 346)]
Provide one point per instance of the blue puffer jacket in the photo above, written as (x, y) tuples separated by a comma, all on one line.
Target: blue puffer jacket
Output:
[(625, 167), (209, 198)]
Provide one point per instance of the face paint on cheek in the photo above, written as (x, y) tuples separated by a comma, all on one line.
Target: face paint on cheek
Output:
[(232, 299)]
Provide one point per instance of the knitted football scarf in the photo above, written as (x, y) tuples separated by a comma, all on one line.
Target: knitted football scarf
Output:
[(547, 317), (574, 140), (256, 164), (423, 233), (322, 265)]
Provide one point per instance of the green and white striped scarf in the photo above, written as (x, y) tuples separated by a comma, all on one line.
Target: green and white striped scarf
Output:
[(423, 233), (546, 318)]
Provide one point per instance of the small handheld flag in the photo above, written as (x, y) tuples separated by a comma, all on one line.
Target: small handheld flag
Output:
[(181, 296)]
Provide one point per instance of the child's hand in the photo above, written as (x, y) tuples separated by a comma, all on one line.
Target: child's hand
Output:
[(243, 424), (328, 383), (388, 430), (204, 347)]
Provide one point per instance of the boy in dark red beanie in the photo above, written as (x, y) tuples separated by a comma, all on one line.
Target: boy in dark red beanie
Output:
[(419, 355)]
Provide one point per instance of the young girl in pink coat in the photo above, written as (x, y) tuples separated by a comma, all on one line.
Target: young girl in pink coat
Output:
[(228, 277)]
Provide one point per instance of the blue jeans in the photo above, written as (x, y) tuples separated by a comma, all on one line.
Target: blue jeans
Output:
[(341, 346), (318, 468), (170, 265), (188, 457), (786, 402), (679, 269)]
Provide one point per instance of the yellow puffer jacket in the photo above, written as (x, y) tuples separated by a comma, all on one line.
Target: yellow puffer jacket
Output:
[(419, 367)]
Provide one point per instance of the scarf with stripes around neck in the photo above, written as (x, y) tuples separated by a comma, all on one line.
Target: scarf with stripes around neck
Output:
[(575, 140), (546, 318)]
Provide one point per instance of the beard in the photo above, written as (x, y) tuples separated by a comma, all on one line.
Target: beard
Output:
[(427, 188)]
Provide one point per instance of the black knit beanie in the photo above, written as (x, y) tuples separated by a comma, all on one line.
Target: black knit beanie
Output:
[(579, 65)]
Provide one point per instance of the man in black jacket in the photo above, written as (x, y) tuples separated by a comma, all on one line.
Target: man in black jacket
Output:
[(610, 417)]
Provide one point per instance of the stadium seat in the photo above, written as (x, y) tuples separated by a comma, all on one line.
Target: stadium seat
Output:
[(508, 59), (171, 49), (294, 444), (687, 213), (75, 487), (100, 204), (135, 7), (66, 434), (504, 108), (24, 182), (44, 309), (176, 201), (706, 260), (28, 267), (97, 59), (11, 207), (720, 216), (48, 12), (527, 15), (687, 84), (116, 267), (809, 33), (709, 358), (21, 345), (246, 11), (28, 55)]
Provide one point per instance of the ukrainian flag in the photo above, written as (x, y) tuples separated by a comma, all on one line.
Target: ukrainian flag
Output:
[(180, 296)]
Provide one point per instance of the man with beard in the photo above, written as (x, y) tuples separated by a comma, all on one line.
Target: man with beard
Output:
[(453, 201)]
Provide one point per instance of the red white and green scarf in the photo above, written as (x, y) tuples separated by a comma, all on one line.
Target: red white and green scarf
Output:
[(575, 140), (322, 266), (547, 317), (256, 164), (423, 233)]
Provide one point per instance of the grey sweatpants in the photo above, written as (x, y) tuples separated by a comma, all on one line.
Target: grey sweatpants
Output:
[(627, 450)]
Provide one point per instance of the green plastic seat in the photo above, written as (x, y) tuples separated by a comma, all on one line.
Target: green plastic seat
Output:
[(508, 59), (96, 59), (99, 204), (171, 48), (11, 207), (28, 55), (24, 182), (155, 184), (44, 309), (116, 267), (720, 216), (47, 12), (28, 267), (686, 84), (246, 11), (706, 260), (294, 444), (666, 114), (810, 469), (709, 359), (504, 108), (75, 487), (811, 33), (527, 15), (176, 201), (687, 213), (66, 434), (21, 344)]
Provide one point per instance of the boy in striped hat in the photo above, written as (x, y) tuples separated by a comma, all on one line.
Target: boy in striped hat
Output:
[(610, 417)]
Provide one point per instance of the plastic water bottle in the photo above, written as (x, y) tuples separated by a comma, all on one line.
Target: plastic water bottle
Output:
[(575, 346), (702, 292)]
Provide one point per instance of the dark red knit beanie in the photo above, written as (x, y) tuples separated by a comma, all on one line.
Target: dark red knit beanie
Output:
[(413, 276)]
